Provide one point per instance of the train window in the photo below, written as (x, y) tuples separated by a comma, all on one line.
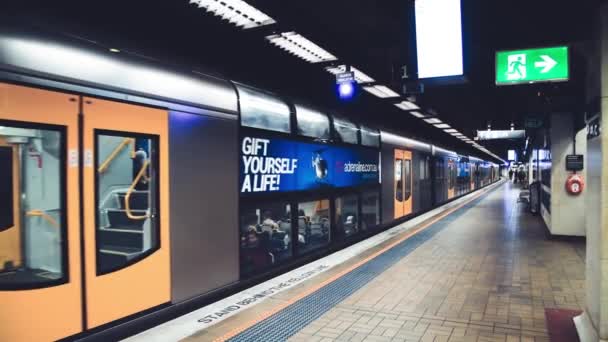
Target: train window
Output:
[(7, 197), (370, 137), (370, 209), (451, 174), (312, 124), (32, 227), (260, 110), (347, 214), (439, 169), (399, 180), (314, 225), (425, 172), (346, 131), (408, 179), (127, 199), (265, 236)]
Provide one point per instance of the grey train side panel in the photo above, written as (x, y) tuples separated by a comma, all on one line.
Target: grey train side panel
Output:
[(441, 181), (388, 182), (422, 181), (204, 204)]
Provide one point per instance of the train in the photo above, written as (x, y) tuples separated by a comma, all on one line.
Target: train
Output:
[(132, 190)]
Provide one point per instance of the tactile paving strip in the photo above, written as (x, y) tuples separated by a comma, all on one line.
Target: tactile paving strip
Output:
[(292, 319)]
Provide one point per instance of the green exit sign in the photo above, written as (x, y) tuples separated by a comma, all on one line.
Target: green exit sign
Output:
[(532, 65)]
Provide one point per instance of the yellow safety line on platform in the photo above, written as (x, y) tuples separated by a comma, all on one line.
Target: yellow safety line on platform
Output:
[(310, 291)]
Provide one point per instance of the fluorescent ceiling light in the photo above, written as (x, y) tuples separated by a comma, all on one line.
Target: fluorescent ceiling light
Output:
[(360, 77), (450, 130), (301, 47), (417, 114), (470, 142), (432, 121), (407, 105), (443, 125), (381, 91), (237, 12)]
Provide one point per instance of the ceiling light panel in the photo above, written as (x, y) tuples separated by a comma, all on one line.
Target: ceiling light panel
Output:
[(432, 121), (237, 12), (301, 47), (417, 114), (387, 91), (442, 126), (381, 91), (407, 105), (450, 130), (360, 77)]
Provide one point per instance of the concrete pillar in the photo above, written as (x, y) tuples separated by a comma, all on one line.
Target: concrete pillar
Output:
[(592, 325), (567, 211)]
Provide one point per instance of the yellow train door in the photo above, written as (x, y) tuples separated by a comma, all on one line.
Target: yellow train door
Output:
[(407, 183), (398, 184), (126, 209), (124, 200), (472, 175), (40, 277), (403, 183)]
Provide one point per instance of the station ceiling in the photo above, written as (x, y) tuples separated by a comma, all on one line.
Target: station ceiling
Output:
[(375, 36)]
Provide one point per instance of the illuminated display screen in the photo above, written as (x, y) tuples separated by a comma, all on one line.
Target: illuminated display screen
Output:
[(280, 165), (439, 38), (512, 155)]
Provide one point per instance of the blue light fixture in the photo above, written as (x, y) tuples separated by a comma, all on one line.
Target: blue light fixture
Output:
[(346, 90)]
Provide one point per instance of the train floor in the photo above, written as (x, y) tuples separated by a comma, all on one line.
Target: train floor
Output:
[(485, 270)]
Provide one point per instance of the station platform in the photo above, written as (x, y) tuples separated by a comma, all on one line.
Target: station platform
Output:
[(482, 269)]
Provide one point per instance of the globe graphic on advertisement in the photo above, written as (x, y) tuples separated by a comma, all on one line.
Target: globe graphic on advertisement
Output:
[(320, 165)]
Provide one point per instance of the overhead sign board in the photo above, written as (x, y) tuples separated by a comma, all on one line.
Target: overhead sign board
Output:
[(345, 77), (532, 65), (533, 122), (439, 38), (493, 135), (512, 155), (280, 165)]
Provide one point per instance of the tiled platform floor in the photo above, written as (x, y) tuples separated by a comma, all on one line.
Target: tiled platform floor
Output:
[(488, 276)]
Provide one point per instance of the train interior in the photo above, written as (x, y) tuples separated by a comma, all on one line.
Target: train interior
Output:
[(125, 194), (31, 208)]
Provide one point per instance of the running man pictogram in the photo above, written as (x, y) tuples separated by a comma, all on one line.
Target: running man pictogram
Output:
[(517, 67)]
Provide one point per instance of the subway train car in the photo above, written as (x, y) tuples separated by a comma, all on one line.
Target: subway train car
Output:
[(131, 192), (407, 182)]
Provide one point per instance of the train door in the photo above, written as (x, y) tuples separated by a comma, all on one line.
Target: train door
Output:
[(126, 212), (472, 175), (451, 178), (403, 183), (40, 278), (44, 294)]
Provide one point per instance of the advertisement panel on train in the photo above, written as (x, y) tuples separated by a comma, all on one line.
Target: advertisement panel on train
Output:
[(280, 165)]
